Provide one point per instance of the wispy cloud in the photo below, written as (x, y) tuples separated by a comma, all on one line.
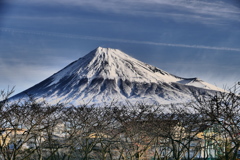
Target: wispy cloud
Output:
[(117, 40), (198, 10)]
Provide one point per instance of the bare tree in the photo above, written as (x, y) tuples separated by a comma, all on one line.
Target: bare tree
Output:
[(23, 128), (222, 111)]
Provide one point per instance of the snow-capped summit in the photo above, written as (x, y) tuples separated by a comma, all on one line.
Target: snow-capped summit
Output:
[(110, 63), (106, 75)]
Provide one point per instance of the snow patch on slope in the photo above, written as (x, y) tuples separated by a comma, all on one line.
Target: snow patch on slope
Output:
[(200, 84)]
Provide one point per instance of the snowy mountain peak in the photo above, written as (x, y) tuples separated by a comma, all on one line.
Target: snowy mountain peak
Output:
[(107, 74), (102, 53), (101, 50), (113, 63)]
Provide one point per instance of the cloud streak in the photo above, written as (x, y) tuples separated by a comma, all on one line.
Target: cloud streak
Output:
[(199, 10), (9, 30)]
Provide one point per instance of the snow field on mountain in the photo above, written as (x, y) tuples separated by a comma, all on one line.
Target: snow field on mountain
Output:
[(105, 75)]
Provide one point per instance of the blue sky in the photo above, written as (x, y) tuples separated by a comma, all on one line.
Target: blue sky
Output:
[(188, 38)]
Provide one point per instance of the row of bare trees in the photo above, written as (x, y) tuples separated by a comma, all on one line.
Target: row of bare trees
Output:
[(206, 128)]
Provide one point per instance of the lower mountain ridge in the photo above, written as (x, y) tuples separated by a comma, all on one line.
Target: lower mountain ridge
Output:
[(108, 75)]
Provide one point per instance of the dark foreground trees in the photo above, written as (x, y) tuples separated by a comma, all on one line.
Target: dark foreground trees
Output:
[(208, 128), (222, 112)]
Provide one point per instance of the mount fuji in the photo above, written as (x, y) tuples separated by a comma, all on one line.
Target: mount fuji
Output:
[(105, 75)]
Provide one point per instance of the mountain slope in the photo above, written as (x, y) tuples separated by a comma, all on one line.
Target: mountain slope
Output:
[(107, 74)]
